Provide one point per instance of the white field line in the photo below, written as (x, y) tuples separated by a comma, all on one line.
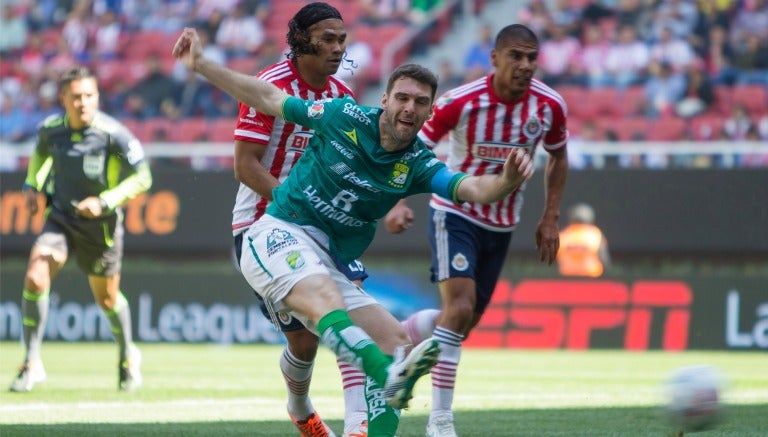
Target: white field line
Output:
[(257, 409)]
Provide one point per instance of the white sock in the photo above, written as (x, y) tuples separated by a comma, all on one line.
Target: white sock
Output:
[(444, 372), (420, 325), (353, 383), (297, 375)]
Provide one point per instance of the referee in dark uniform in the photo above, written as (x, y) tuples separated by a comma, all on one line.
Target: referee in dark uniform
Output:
[(87, 164)]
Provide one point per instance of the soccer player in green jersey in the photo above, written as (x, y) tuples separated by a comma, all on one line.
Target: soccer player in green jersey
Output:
[(359, 163), (88, 164)]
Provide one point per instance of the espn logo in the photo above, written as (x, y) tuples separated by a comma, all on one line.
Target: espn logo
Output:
[(551, 314)]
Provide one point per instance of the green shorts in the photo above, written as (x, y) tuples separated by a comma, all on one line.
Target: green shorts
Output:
[(97, 243)]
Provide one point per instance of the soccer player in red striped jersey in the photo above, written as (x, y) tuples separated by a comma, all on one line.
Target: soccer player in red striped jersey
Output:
[(266, 149), (484, 120)]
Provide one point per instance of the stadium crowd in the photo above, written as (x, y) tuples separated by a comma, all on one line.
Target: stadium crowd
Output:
[(655, 70)]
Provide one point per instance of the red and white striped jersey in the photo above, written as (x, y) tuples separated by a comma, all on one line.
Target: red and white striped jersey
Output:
[(482, 130), (285, 141)]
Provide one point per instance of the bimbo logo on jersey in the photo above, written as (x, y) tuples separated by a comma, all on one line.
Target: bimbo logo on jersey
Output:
[(494, 152)]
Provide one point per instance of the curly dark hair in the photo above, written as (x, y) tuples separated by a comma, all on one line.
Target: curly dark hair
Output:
[(298, 37)]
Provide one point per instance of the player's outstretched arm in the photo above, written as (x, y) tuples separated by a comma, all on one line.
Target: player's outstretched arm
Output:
[(490, 188), (256, 93)]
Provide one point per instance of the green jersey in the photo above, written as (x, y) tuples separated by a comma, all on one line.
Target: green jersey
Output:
[(346, 181), (104, 159)]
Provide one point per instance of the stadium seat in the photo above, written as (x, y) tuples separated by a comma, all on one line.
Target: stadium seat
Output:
[(666, 129), (141, 44), (574, 98), (753, 97), (155, 130), (598, 102), (221, 129), (244, 65), (189, 130), (625, 128), (707, 126), (723, 100)]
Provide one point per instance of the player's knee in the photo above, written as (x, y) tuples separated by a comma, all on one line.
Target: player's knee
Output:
[(36, 280)]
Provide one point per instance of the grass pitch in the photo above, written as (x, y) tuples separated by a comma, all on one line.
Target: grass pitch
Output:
[(210, 390)]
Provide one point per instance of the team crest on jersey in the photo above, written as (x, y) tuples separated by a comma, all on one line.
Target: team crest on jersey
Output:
[(532, 127), (93, 166), (399, 174), (316, 110), (459, 262), (278, 240), (294, 260), (284, 317)]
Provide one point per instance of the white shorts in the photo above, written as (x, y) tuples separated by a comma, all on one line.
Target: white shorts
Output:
[(276, 255)]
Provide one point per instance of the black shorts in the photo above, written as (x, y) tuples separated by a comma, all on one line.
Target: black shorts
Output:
[(354, 271), (462, 249), (97, 243)]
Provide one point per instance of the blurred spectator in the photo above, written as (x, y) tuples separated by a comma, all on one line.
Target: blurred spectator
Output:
[(750, 61), (699, 93), (558, 58), (737, 124), (420, 9), (63, 59), (13, 37), (107, 37), (240, 34), (194, 99), (140, 14), (270, 53), (167, 16), (594, 12), (710, 15), (14, 120), (587, 134), (567, 14), (636, 13), (677, 16), (754, 159), (591, 60), (673, 50), (146, 98), (354, 69), (77, 29), (751, 19), (762, 127), (663, 89), (204, 8), (32, 58), (719, 57), (583, 247), (448, 77), (536, 16), (628, 58), (375, 12), (212, 23), (477, 59)]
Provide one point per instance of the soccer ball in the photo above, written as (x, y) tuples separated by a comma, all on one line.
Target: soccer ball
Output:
[(693, 397)]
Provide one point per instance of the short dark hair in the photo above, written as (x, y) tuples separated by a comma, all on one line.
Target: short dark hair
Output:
[(415, 72), (73, 74), (515, 32), (298, 37)]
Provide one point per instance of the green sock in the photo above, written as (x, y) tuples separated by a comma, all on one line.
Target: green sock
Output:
[(34, 315), (120, 322), (383, 420), (353, 345)]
